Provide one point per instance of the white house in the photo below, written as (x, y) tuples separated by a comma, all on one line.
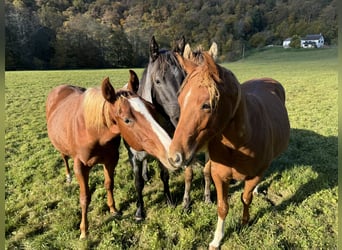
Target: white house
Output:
[(286, 43), (310, 41)]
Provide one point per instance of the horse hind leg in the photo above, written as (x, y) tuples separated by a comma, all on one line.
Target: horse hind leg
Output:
[(67, 168), (247, 197), (82, 175)]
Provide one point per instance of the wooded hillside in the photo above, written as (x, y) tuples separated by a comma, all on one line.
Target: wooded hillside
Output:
[(64, 34)]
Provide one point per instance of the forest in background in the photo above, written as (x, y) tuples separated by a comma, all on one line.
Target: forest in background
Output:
[(75, 34)]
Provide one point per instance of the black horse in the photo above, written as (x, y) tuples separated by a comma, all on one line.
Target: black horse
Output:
[(160, 83)]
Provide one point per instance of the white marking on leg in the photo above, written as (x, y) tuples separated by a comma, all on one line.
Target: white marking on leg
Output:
[(219, 233), (256, 189), (138, 105), (68, 178)]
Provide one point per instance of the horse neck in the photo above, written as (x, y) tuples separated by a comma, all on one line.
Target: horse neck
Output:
[(238, 129), (108, 131), (145, 85)]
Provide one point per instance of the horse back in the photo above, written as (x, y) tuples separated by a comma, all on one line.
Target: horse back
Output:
[(267, 113), (62, 110), (59, 94), (264, 86)]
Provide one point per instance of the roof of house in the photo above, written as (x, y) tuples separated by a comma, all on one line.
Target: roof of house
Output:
[(312, 37)]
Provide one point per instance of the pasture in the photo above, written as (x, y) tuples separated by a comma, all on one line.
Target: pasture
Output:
[(295, 209)]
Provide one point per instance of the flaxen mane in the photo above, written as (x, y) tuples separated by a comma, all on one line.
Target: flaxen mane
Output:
[(96, 108), (207, 75), (95, 111)]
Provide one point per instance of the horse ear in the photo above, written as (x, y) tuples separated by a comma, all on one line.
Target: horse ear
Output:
[(154, 49), (133, 83), (186, 64), (213, 51), (180, 44), (212, 66), (187, 51), (108, 91)]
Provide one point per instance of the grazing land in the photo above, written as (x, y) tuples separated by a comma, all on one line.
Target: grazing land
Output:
[(297, 203)]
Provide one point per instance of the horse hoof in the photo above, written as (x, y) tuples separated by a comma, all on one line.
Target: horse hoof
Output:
[(68, 179), (116, 214), (139, 219), (83, 236), (186, 208), (207, 200), (186, 204), (244, 222), (170, 203), (213, 248)]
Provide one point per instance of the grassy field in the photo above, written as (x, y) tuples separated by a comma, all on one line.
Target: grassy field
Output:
[(296, 209)]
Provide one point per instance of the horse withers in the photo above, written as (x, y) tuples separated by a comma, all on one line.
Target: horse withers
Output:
[(86, 124), (243, 127)]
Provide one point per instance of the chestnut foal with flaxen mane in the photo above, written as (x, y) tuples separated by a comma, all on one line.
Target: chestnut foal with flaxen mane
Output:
[(86, 125)]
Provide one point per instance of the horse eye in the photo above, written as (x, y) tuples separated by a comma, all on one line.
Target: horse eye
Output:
[(206, 107), (158, 82), (127, 121)]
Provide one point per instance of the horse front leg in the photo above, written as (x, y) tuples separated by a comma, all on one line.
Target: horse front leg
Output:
[(82, 175), (164, 176), (108, 170), (207, 181), (247, 197), (219, 175), (138, 160), (188, 175), (139, 186)]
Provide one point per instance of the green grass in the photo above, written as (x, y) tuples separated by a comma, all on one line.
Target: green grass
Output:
[(297, 211)]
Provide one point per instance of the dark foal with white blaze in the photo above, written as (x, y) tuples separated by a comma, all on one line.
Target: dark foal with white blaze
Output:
[(243, 127), (86, 125)]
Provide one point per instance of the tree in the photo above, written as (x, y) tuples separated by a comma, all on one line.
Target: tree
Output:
[(20, 24), (295, 42), (105, 33)]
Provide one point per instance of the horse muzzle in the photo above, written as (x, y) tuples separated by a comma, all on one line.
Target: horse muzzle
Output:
[(178, 160)]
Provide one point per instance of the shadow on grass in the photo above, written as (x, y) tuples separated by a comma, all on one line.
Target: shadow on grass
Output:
[(306, 148)]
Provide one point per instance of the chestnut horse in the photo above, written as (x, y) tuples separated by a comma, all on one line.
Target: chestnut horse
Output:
[(86, 125), (243, 127)]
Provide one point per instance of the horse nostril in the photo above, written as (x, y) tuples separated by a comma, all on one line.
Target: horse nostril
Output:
[(177, 161)]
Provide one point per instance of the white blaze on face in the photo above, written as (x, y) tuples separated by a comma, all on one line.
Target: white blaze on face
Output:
[(138, 105), (186, 99)]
